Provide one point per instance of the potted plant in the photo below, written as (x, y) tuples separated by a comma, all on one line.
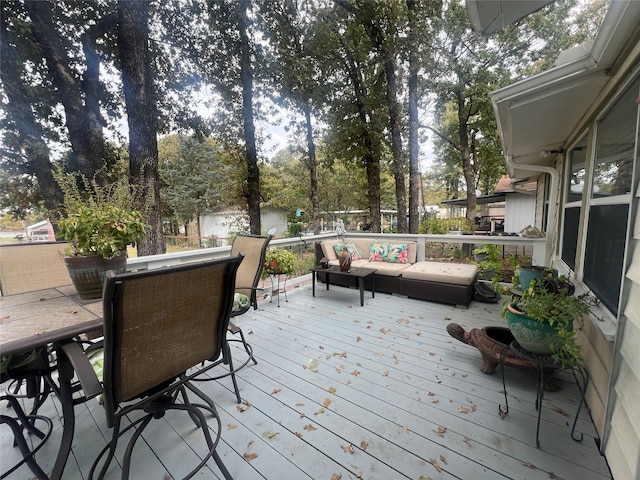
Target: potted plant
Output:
[(98, 227), (487, 259), (542, 319), (278, 261)]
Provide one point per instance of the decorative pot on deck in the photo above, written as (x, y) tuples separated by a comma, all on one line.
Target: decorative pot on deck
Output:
[(533, 335), (87, 272), (345, 260)]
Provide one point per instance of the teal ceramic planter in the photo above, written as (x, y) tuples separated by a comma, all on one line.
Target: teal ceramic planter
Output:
[(525, 275), (537, 337), (87, 272)]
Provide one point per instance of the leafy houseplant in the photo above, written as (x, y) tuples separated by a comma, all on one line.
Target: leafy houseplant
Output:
[(542, 319), (99, 224), (487, 259), (277, 261)]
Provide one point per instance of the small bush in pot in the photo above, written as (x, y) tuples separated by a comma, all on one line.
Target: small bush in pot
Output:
[(278, 260), (544, 320)]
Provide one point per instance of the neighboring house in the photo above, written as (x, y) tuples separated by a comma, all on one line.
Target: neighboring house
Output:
[(41, 232), (574, 130), (224, 223), (510, 208)]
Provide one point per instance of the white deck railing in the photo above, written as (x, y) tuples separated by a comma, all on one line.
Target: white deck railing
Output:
[(166, 259)]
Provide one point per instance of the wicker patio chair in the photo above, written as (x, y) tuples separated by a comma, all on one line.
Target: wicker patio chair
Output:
[(160, 326)]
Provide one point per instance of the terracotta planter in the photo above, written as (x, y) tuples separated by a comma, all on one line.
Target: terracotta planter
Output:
[(537, 337), (88, 272), (345, 260)]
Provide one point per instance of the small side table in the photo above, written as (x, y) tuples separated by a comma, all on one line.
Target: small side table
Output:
[(275, 282), (546, 368)]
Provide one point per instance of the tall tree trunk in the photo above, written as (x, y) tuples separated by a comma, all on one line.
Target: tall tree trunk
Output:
[(313, 176), (246, 78), (414, 147), (465, 155), (140, 100), (35, 149), (83, 122)]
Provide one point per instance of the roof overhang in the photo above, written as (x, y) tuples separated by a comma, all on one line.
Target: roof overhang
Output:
[(480, 199), (487, 16), (537, 115)]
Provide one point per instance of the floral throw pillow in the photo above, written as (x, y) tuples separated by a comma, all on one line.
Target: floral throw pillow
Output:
[(396, 253), (377, 252)]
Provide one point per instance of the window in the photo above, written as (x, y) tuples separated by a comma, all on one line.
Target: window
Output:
[(573, 196), (616, 146)]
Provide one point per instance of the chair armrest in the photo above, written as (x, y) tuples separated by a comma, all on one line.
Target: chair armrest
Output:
[(83, 368)]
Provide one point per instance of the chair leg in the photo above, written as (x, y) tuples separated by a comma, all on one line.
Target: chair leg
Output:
[(248, 348), (227, 353)]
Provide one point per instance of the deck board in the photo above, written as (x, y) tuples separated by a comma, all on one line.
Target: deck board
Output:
[(387, 374)]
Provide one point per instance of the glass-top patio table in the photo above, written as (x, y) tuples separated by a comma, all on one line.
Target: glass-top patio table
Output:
[(358, 273), (49, 317)]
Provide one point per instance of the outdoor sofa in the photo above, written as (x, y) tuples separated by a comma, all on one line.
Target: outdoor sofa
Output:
[(398, 272)]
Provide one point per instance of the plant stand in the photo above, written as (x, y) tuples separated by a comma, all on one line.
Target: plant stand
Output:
[(545, 370), (275, 277)]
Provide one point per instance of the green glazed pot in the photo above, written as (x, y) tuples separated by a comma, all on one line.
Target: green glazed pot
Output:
[(87, 272), (537, 337)]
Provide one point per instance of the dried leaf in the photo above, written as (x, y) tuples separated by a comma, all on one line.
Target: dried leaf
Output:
[(348, 448), (300, 404), (309, 427), (433, 462), (406, 428), (249, 456), (462, 409), (319, 411), (38, 332), (432, 353), (275, 390), (560, 411), (358, 339), (355, 372), (440, 432), (298, 434), (443, 460), (269, 434), (528, 464), (431, 394), (418, 332), (242, 408), (326, 402), (332, 389), (231, 426), (320, 347), (336, 476), (385, 373), (422, 477), (467, 440), (364, 444), (435, 401)]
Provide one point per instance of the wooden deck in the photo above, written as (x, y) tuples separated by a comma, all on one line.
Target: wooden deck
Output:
[(343, 391)]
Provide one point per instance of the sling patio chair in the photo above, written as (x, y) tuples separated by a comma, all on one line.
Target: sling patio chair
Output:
[(160, 326)]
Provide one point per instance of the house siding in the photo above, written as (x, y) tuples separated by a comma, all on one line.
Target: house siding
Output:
[(519, 211)]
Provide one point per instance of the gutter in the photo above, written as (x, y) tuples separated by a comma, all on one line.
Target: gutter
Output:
[(553, 199)]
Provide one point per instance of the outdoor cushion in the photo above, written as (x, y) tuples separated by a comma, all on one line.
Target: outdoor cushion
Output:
[(377, 252), (453, 273), (396, 253), (240, 302), (351, 248)]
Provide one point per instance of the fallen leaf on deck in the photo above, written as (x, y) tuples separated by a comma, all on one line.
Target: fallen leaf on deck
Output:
[(355, 372), (298, 434), (465, 375), (358, 339), (332, 389), (440, 432), (433, 462), (462, 409), (560, 411), (310, 427), (327, 357), (364, 444), (434, 401), (431, 394), (319, 411), (246, 402), (385, 330), (432, 353), (38, 332), (359, 364), (231, 426), (326, 402), (406, 428), (320, 347), (336, 476), (422, 477), (528, 464), (385, 373), (249, 456), (300, 404), (302, 415), (241, 408), (348, 448), (467, 440), (443, 460), (274, 391), (553, 475)]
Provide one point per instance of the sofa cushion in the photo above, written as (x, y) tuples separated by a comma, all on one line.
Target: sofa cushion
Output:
[(453, 273), (363, 244), (396, 253), (377, 252)]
